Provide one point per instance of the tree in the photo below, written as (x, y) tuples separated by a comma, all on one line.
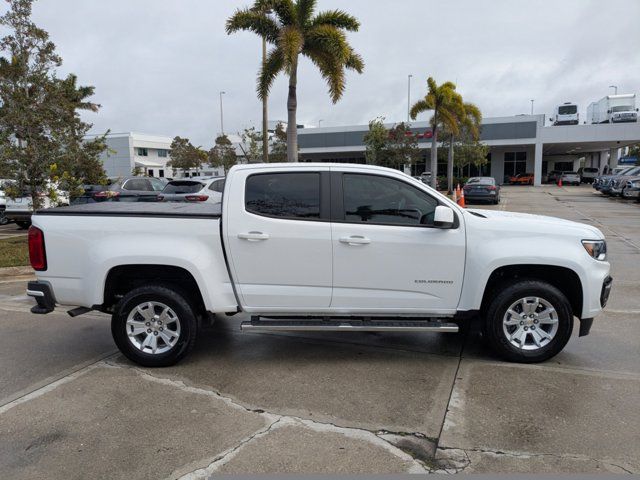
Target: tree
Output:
[(41, 133), (251, 145), (185, 156), (279, 145), (469, 151), (402, 147), (294, 30), (376, 141), (447, 108), (223, 154)]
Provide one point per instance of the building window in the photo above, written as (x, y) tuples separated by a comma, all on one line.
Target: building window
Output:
[(150, 172), (515, 163), (143, 152), (161, 173), (162, 153)]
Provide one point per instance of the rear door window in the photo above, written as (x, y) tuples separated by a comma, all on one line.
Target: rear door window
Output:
[(217, 186), (137, 184), (294, 196)]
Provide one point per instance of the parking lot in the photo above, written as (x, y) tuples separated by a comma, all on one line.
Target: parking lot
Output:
[(71, 407)]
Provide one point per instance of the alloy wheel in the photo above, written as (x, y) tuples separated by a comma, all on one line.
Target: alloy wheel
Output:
[(153, 327), (530, 323)]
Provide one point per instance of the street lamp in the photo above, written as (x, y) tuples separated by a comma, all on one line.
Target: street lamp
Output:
[(320, 122), (222, 114), (532, 100), (409, 97), (615, 87)]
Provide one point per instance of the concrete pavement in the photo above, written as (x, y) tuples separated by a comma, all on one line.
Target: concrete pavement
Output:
[(328, 403)]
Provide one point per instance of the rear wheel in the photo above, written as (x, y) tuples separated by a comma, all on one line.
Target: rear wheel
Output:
[(528, 322), (154, 326), (23, 224)]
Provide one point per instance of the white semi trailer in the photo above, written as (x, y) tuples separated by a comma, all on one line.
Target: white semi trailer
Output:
[(613, 109)]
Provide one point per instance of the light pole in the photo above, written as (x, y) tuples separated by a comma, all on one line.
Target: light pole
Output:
[(221, 114), (409, 97), (532, 100), (320, 122), (615, 87), (265, 113)]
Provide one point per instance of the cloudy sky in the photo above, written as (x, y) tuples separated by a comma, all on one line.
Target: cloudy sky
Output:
[(158, 65)]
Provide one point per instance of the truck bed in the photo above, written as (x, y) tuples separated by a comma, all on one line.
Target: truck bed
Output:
[(138, 209)]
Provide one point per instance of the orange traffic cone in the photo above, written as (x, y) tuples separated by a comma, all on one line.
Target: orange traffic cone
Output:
[(454, 195), (461, 201), (560, 181)]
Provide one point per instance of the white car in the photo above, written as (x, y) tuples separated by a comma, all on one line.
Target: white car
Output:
[(570, 178), (20, 209), (193, 190), (320, 247), (4, 183)]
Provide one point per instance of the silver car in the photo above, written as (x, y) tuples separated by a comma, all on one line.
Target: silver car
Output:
[(194, 190), (570, 178)]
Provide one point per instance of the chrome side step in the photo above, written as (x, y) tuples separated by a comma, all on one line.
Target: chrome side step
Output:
[(348, 326)]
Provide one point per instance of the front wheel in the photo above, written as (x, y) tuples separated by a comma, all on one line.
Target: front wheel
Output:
[(154, 326), (528, 322)]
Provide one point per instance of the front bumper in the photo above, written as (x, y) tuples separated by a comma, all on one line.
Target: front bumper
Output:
[(631, 193), (43, 294)]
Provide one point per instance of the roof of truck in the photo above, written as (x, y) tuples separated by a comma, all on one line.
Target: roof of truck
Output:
[(139, 209)]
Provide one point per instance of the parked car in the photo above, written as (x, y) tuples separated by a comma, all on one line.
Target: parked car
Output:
[(632, 188), (20, 208), (522, 179), (607, 181), (132, 189), (570, 178), (553, 176), (320, 247), (193, 190), (88, 195), (619, 182), (604, 178), (482, 189), (588, 174), (4, 183)]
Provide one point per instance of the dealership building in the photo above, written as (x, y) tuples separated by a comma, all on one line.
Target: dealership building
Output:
[(518, 144)]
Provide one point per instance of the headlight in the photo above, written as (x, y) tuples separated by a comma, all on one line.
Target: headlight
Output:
[(596, 248)]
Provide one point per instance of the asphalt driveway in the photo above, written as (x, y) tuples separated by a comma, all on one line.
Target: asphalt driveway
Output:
[(70, 407)]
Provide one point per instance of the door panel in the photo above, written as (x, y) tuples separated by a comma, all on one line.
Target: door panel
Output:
[(385, 254), (279, 243)]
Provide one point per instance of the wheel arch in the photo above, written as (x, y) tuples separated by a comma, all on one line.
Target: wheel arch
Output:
[(563, 278), (124, 278)]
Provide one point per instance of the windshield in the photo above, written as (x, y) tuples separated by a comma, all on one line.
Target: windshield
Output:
[(183, 187), (623, 108), (481, 181), (568, 109)]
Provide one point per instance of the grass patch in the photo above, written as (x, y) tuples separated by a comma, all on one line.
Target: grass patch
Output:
[(14, 252)]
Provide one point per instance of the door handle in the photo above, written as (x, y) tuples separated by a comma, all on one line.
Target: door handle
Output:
[(253, 236), (355, 240)]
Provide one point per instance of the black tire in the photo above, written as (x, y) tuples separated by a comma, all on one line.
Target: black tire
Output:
[(23, 224), (176, 301), (497, 309)]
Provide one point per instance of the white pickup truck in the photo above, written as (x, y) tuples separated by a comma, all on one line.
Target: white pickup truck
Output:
[(320, 247)]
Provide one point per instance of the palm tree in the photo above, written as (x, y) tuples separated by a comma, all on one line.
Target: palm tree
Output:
[(295, 29), (469, 119), (447, 108)]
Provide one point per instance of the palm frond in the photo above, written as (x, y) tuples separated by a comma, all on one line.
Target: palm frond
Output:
[(273, 65), (290, 43), (332, 72), (338, 19), (329, 40), (354, 62), (285, 11), (448, 118), (253, 21), (304, 11), (419, 107)]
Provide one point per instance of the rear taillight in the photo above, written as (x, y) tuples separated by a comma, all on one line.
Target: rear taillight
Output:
[(197, 198), (107, 194), (491, 187), (37, 252)]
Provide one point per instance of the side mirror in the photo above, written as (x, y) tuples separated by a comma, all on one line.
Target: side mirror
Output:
[(443, 217)]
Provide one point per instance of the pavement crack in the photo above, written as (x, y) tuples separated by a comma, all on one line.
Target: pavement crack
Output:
[(276, 420)]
